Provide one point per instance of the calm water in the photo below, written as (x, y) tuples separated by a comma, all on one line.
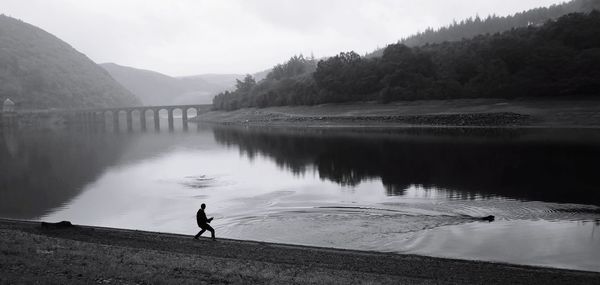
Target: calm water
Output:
[(407, 191)]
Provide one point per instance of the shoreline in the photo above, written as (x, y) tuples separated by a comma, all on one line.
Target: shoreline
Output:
[(457, 113), (85, 254)]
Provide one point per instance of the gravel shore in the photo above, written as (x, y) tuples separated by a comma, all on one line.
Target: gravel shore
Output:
[(81, 254), (434, 113)]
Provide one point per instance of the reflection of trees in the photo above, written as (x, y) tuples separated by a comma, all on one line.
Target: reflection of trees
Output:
[(507, 166), (47, 169)]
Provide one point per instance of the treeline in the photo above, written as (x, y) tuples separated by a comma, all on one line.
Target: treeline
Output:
[(559, 58), (290, 83), (491, 24)]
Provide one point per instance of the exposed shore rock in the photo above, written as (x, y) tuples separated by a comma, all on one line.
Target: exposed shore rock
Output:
[(447, 113)]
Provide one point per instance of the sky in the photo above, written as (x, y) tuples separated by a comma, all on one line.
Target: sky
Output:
[(188, 37)]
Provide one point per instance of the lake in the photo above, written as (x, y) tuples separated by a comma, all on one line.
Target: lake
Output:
[(411, 191)]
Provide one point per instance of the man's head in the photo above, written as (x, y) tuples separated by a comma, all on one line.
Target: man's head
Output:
[(203, 206)]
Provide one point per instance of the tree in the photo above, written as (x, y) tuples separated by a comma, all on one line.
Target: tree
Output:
[(246, 85)]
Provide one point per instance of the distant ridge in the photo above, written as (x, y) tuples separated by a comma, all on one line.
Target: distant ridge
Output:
[(155, 88), (38, 70), (151, 87), (472, 27)]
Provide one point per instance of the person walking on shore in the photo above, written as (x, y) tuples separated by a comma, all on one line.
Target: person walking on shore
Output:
[(203, 223)]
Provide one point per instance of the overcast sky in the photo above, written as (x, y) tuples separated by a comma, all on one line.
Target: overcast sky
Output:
[(186, 37)]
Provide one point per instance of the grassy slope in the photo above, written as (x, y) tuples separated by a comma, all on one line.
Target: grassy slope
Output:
[(100, 255)]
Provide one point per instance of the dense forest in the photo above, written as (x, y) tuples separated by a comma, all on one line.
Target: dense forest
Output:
[(38, 70), (559, 58), (491, 24)]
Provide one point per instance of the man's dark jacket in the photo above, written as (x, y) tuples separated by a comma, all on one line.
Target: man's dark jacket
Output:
[(201, 218)]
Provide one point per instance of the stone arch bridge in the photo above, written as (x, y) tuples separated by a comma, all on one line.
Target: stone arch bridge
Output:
[(98, 116)]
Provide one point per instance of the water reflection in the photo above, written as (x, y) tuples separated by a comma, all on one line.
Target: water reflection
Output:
[(40, 171), (542, 165), (415, 191)]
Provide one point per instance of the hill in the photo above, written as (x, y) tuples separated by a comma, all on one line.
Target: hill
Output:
[(491, 24), (155, 88), (559, 58), (38, 70), (151, 87)]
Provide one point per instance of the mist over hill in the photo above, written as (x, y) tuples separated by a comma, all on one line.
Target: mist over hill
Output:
[(202, 88), (560, 58), (155, 88), (151, 87), (471, 27), (38, 70)]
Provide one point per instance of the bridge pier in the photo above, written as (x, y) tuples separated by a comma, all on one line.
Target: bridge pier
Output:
[(184, 117), (171, 125), (156, 120), (129, 120), (116, 121), (143, 119)]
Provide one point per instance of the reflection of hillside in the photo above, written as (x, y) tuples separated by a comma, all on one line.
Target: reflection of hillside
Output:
[(513, 164), (40, 171)]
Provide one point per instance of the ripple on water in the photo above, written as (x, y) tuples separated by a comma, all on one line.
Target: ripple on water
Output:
[(389, 226), (507, 209), (345, 227), (198, 181)]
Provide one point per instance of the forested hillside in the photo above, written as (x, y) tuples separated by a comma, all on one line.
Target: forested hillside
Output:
[(290, 83), (38, 70), (491, 24), (559, 58)]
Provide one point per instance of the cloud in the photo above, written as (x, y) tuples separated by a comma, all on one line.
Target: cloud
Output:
[(182, 37)]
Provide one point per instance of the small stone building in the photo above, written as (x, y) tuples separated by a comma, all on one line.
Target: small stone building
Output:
[(8, 106)]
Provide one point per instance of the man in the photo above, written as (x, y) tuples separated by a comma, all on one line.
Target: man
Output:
[(203, 223)]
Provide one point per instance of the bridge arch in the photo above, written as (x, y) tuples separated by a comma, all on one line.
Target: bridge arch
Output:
[(120, 119), (194, 111)]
